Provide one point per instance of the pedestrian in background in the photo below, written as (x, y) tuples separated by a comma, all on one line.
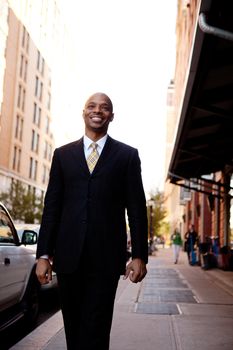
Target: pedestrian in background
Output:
[(191, 238), (176, 244), (83, 229)]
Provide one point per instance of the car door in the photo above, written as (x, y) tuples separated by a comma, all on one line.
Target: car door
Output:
[(13, 263)]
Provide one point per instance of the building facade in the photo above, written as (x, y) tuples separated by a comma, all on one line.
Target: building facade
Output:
[(26, 139), (172, 193), (201, 159)]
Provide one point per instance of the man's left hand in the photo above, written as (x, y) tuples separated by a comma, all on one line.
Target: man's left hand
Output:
[(136, 270)]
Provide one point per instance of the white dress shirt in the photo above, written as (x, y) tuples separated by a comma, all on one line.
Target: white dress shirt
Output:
[(87, 143)]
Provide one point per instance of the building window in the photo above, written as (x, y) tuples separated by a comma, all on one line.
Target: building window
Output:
[(40, 63), (23, 99), (36, 115), (25, 70), (41, 91), (47, 126), (17, 126), (30, 167), (36, 86), (23, 37), (33, 168), (44, 174), (19, 160), (21, 130), (42, 67), (39, 117), (16, 158), (38, 60), (19, 96), (49, 101), (48, 151), (35, 141), (21, 66)]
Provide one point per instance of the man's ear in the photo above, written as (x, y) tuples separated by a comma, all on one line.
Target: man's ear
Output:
[(112, 117)]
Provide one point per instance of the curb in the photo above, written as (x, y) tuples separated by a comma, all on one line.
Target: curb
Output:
[(42, 335)]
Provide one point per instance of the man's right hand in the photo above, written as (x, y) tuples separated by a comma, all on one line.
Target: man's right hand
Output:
[(44, 271)]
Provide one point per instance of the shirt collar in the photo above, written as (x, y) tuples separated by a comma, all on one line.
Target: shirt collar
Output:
[(101, 142)]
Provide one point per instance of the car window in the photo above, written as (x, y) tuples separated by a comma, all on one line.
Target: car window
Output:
[(6, 229)]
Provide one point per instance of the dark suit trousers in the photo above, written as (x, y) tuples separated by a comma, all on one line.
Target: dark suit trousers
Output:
[(87, 301)]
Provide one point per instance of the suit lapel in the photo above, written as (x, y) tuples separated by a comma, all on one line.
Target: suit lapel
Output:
[(79, 156), (105, 154)]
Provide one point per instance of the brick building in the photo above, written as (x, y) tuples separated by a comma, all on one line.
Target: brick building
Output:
[(201, 156)]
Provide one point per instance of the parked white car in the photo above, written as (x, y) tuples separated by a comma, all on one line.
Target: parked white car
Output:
[(36, 228), (19, 286)]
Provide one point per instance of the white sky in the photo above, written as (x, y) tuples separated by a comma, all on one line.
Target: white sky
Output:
[(125, 48)]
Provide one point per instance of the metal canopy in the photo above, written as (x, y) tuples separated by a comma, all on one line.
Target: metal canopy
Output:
[(204, 141)]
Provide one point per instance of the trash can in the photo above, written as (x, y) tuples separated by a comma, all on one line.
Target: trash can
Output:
[(224, 258), (208, 259)]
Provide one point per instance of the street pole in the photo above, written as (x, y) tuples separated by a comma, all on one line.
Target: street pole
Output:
[(151, 224), (151, 230)]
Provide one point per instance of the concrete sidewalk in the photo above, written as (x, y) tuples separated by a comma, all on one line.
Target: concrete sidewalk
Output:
[(176, 307)]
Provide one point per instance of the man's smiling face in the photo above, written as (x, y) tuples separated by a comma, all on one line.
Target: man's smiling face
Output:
[(98, 113)]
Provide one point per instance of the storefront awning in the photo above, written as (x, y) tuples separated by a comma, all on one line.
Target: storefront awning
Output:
[(204, 141)]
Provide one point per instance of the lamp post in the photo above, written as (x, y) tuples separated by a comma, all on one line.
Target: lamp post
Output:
[(151, 205)]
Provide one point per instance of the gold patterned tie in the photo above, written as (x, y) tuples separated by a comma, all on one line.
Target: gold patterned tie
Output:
[(93, 157)]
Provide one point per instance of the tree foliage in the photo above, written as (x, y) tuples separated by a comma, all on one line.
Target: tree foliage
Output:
[(156, 213), (23, 203)]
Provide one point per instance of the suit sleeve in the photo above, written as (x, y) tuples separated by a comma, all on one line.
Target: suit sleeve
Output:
[(52, 209), (136, 209)]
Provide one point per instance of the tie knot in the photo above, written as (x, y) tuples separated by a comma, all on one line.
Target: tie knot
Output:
[(94, 146)]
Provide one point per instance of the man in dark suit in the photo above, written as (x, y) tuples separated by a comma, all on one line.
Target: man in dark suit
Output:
[(83, 228)]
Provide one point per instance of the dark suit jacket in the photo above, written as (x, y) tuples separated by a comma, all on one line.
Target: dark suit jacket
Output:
[(87, 211)]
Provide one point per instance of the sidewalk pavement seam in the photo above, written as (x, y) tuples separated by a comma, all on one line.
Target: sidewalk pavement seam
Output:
[(175, 333)]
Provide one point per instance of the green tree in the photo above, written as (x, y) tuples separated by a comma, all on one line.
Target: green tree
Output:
[(23, 204), (156, 214)]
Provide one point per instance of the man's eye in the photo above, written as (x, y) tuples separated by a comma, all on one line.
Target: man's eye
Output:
[(105, 108)]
